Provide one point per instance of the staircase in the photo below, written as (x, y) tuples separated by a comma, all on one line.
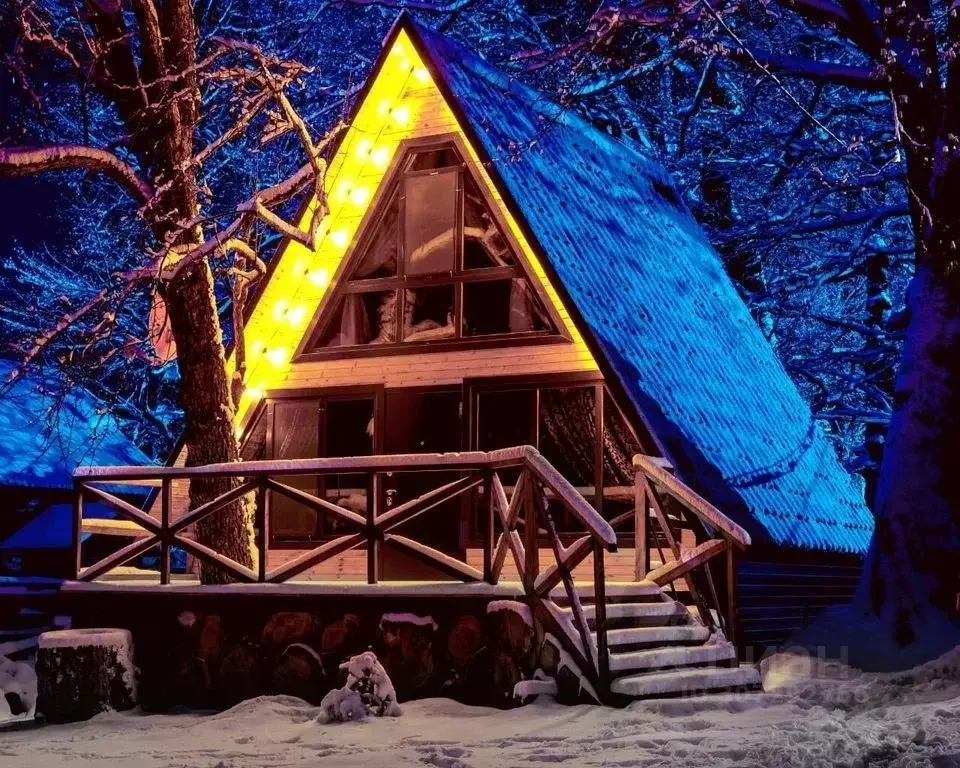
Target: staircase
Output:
[(657, 647)]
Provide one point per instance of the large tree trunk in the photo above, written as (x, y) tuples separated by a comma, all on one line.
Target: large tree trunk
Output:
[(209, 414), (169, 40), (912, 578)]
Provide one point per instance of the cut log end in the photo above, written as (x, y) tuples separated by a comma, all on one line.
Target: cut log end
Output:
[(82, 672)]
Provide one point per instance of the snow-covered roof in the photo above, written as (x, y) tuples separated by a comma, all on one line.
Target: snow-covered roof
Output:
[(47, 430), (660, 313)]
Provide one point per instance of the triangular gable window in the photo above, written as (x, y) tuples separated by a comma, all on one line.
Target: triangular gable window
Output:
[(433, 265)]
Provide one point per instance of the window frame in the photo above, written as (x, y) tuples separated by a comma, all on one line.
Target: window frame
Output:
[(322, 395), (310, 349)]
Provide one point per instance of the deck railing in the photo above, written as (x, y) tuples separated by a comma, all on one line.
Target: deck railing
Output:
[(526, 511), (516, 519)]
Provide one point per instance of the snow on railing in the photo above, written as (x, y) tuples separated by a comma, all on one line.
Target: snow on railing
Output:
[(716, 535)]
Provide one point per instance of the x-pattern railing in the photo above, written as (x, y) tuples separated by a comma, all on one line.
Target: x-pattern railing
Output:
[(526, 509)]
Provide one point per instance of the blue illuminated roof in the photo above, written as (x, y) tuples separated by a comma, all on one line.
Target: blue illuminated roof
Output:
[(652, 297), (48, 429)]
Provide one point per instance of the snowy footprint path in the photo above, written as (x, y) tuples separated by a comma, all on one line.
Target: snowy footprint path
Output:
[(846, 719)]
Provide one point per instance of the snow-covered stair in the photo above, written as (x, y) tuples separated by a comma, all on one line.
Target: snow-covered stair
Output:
[(686, 682), (658, 647), (639, 614), (673, 657)]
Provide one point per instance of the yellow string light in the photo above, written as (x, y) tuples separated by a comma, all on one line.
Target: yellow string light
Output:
[(367, 149), (320, 277)]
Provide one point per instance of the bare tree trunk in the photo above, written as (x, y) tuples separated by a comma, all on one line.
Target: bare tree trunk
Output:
[(205, 391), (209, 414), (876, 368), (912, 579)]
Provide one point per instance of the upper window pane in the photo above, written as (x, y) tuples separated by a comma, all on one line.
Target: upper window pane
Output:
[(380, 257), (483, 243), (430, 222), (437, 157)]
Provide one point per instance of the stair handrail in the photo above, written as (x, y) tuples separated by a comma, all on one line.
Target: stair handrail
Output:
[(723, 537), (589, 518), (693, 501)]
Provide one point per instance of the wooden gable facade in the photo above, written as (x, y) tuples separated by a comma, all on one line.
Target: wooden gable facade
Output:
[(403, 109), (481, 380)]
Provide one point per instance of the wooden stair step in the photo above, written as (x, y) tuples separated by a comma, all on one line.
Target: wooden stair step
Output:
[(646, 614), (679, 682), (616, 592), (649, 636), (671, 657)]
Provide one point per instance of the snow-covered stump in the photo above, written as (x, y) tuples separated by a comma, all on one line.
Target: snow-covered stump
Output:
[(81, 672)]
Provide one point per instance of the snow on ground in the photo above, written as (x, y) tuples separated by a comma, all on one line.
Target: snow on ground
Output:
[(811, 715), (18, 690)]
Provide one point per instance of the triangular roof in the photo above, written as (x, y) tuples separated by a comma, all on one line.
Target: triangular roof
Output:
[(654, 305)]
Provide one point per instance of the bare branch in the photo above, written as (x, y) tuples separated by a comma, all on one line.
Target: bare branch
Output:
[(819, 10), (868, 78), (28, 161)]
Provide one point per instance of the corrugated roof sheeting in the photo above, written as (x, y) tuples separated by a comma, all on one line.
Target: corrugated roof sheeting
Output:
[(46, 433), (660, 305)]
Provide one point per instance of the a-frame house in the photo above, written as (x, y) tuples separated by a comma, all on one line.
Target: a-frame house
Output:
[(496, 272)]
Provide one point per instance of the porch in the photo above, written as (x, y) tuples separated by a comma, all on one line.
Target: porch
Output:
[(676, 566)]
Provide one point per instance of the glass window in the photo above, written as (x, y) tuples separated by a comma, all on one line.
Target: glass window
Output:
[(506, 418), (362, 318), (501, 306), (568, 431), (430, 222), (380, 256), (295, 436), (435, 265), (348, 430), (434, 157), (620, 445), (568, 441), (428, 313), (483, 243), (254, 446)]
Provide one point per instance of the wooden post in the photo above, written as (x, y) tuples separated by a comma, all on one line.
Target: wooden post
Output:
[(77, 525), (165, 495), (489, 531), (598, 447), (600, 607), (641, 552), (263, 530), (731, 594), (373, 542), (531, 521)]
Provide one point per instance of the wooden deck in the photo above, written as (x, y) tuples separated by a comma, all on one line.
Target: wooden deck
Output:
[(352, 565), (351, 568)]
